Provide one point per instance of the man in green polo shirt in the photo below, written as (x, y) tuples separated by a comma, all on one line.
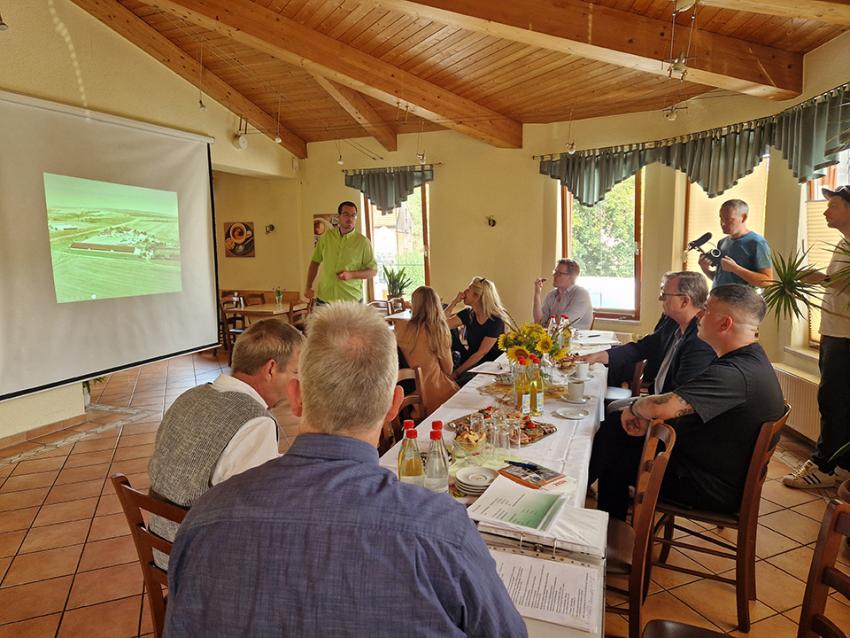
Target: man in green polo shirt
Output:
[(346, 258)]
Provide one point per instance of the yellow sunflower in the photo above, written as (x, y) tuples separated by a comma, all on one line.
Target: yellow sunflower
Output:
[(544, 343), (517, 352)]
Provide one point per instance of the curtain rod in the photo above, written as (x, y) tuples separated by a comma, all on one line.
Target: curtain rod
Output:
[(419, 167)]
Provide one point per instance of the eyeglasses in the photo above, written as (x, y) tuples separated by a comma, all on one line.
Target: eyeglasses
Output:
[(555, 273), (661, 295)]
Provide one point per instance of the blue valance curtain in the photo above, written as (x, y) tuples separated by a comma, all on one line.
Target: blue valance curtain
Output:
[(810, 136), (388, 187)]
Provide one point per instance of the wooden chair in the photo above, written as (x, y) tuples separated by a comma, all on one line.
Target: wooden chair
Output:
[(824, 575), (297, 316), (396, 304), (673, 629), (629, 546), (412, 407), (635, 386), (135, 504), (382, 306), (745, 522), (254, 298), (230, 325)]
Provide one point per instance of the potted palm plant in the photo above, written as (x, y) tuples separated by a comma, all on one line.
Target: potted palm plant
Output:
[(397, 282)]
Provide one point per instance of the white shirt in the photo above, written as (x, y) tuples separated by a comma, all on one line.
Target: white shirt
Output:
[(253, 444), (835, 320)]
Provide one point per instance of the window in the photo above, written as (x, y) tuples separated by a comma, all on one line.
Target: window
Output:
[(605, 239), (702, 213), (400, 240), (819, 237)]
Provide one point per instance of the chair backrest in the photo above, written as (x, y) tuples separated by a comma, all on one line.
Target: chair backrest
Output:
[(254, 298), (824, 575), (637, 378), (413, 406), (396, 304), (291, 297), (134, 503), (382, 306), (762, 452), (651, 470)]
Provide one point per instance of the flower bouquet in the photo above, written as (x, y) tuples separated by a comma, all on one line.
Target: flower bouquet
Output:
[(533, 339)]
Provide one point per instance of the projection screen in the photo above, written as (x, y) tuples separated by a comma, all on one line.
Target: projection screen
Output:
[(108, 256)]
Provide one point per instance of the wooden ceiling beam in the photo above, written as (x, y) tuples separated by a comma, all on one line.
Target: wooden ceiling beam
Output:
[(251, 24), (127, 24), (828, 11), (359, 108), (625, 39)]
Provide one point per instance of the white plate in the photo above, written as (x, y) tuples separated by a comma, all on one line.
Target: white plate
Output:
[(571, 413), (476, 477), (581, 401)]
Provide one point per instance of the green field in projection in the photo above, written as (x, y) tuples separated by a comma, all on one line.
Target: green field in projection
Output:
[(111, 240)]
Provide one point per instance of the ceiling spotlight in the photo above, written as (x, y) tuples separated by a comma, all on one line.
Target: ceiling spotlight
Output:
[(339, 160), (3, 25), (201, 105), (670, 113), (683, 5), (277, 139), (420, 157), (240, 141), (571, 148)]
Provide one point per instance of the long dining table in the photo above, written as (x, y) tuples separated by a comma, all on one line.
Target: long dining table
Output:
[(567, 451)]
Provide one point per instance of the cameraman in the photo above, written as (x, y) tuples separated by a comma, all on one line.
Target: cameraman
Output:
[(745, 255)]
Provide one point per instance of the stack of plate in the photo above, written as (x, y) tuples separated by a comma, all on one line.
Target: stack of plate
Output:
[(473, 481)]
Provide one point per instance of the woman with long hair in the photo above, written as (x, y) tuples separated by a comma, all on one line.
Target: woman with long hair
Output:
[(485, 319), (425, 342)]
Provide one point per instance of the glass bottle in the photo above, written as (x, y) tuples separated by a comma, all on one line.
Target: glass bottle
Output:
[(552, 326), (536, 390), (410, 468), (522, 390), (437, 467)]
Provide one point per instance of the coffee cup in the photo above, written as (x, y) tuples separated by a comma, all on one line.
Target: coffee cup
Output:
[(575, 390), (582, 370)]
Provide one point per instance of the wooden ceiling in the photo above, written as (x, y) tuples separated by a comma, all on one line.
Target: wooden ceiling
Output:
[(311, 70)]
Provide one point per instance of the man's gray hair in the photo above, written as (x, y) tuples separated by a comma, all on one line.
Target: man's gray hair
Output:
[(691, 284), (747, 306), (348, 368), (264, 340), (573, 267), (738, 206)]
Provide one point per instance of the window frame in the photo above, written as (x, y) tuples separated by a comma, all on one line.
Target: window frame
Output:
[(566, 248), (368, 208)]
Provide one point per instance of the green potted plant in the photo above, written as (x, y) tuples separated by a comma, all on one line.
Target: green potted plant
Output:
[(397, 282)]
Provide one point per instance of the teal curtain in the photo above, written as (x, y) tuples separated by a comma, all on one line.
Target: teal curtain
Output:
[(810, 136), (388, 187)]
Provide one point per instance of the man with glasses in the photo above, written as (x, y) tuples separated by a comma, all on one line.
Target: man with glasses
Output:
[(566, 298), (346, 258)]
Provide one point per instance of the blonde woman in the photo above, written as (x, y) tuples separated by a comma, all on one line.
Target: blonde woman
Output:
[(485, 319), (425, 342)]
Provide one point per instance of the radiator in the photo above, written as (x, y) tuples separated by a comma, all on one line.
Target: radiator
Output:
[(801, 393)]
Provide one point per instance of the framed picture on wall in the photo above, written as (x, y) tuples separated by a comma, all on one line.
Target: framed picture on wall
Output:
[(322, 224), (238, 239)]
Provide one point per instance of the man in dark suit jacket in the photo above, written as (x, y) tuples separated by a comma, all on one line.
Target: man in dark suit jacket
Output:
[(677, 355)]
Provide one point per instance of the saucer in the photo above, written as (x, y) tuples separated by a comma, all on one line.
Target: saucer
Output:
[(476, 478), (571, 413), (580, 401)]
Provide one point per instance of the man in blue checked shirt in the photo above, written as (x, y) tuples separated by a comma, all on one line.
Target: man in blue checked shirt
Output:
[(325, 542)]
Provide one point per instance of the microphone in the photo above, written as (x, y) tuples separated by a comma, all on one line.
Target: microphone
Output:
[(699, 241)]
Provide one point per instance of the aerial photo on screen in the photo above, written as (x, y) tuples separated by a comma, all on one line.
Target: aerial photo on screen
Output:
[(111, 240)]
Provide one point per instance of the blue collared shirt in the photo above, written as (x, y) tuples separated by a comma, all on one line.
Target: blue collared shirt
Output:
[(323, 541)]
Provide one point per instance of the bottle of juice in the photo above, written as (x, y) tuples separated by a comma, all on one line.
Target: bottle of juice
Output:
[(522, 389), (437, 467), (536, 390), (410, 468)]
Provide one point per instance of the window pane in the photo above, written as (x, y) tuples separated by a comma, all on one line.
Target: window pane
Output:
[(603, 242), (397, 242)]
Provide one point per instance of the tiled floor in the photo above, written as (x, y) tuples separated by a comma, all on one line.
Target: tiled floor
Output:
[(68, 566)]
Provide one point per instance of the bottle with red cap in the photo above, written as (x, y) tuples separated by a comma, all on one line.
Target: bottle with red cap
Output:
[(410, 468), (437, 465)]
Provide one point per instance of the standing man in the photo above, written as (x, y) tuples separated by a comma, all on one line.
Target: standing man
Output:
[(566, 298), (323, 541), (833, 358), (346, 258), (745, 255)]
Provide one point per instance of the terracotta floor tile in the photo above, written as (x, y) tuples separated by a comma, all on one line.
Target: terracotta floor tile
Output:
[(95, 445), (41, 627), (6, 470), (775, 491), (109, 504), (89, 458), (108, 527), (79, 474), (135, 452), (774, 627), (28, 481), (4, 565), (770, 543), (668, 578), (38, 465), (140, 428), (115, 619), (105, 553), (85, 427), (107, 583), (716, 601), (28, 568), (54, 437), (814, 509), (53, 452), (33, 599), (22, 499), (793, 525), (17, 519), (140, 481), (68, 511), (74, 491), (715, 564), (766, 507), (129, 466), (777, 468), (10, 542), (13, 450), (137, 439), (777, 589), (52, 536), (665, 605), (796, 562)]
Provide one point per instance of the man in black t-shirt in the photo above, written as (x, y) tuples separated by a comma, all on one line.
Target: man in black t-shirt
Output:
[(718, 414)]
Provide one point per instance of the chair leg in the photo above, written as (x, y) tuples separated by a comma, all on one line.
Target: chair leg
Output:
[(744, 582), (635, 618), (669, 521)]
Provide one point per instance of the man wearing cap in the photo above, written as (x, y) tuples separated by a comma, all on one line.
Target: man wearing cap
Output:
[(346, 258), (833, 358), (745, 255)]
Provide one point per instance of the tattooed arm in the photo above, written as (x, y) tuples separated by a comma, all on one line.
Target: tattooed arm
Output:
[(635, 418)]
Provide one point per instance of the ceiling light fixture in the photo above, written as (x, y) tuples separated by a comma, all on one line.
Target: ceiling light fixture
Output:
[(571, 144), (3, 25), (683, 5), (201, 105), (240, 138)]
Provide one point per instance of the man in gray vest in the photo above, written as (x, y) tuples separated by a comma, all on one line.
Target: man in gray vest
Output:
[(220, 429)]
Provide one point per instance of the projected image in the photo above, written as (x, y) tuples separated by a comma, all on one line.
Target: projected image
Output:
[(111, 240)]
